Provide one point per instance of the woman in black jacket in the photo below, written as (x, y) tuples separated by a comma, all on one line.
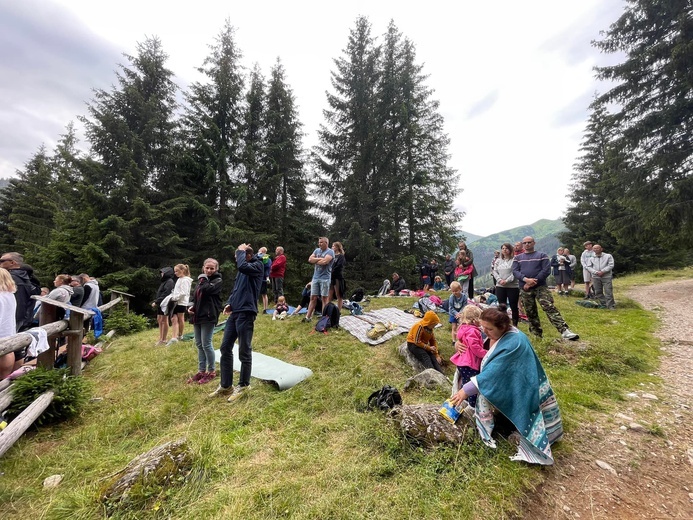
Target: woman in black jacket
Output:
[(165, 288), (204, 311), (338, 284)]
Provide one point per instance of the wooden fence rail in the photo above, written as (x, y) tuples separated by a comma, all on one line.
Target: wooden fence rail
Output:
[(73, 329)]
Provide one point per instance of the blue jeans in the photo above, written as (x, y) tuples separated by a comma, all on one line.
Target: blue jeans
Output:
[(241, 326), (205, 350)]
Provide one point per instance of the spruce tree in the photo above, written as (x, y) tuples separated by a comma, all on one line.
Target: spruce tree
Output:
[(653, 108)]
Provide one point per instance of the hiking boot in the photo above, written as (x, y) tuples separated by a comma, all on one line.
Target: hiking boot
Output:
[(238, 392), (220, 391), (196, 377), (569, 335), (207, 377)]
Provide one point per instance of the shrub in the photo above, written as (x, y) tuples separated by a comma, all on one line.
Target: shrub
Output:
[(125, 323), (71, 393)]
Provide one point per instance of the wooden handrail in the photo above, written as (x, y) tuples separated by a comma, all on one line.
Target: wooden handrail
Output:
[(21, 339)]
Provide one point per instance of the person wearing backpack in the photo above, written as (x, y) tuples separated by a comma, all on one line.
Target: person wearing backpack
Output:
[(242, 308), (422, 344)]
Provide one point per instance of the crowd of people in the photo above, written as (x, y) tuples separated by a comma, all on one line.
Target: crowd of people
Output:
[(19, 312), (488, 346)]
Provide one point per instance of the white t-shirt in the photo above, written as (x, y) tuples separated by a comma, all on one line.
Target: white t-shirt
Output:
[(8, 311)]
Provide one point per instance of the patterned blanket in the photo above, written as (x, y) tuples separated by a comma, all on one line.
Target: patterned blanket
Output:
[(359, 325)]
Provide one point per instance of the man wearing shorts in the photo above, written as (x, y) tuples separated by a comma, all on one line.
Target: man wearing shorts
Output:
[(322, 274), (585, 257)]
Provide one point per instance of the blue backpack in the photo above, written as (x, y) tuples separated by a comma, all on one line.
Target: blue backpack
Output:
[(323, 324)]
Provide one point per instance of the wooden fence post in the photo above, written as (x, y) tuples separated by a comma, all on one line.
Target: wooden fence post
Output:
[(74, 343), (48, 315)]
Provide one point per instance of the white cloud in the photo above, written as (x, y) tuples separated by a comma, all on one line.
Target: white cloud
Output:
[(521, 70)]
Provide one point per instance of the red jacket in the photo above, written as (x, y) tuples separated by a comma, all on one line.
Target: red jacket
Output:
[(278, 267)]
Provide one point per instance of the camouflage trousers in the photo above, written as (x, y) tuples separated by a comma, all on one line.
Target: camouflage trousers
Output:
[(543, 295)]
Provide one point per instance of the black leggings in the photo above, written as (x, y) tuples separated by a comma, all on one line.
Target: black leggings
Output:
[(510, 296), (427, 359)]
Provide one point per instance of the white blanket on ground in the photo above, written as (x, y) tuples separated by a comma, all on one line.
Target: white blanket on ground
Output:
[(267, 368), (359, 325)]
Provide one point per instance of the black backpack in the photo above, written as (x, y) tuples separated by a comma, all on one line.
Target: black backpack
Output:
[(385, 399), (334, 314), (358, 295)]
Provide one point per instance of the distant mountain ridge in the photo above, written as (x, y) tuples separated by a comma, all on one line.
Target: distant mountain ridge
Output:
[(544, 232)]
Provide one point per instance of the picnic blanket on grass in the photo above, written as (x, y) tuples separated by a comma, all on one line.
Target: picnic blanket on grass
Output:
[(283, 374), (359, 325)]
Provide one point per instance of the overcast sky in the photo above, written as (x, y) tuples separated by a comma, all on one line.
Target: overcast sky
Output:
[(514, 79)]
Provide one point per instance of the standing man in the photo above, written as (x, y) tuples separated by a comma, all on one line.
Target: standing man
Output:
[(601, 267), (531, 269), (322, 275), (584, 260), (242, 307), (27, 286), (277, 270)]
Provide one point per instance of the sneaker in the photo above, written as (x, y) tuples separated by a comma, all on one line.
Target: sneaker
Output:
[(171, 342), (158, 343), (238, 392), (207, 377), (274, 317), (222, 391), (195, 378), (306, 320), (569, 335)]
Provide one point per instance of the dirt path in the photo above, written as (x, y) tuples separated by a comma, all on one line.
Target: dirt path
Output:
[(637, 463)]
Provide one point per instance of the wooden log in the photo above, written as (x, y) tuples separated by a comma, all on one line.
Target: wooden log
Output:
[(5, 399), (5, 383), (23, 421), (110, 304), (19, 341), (126, 298), (66, 306)]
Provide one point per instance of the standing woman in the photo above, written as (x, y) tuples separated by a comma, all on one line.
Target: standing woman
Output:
[(507, 287), (8, 321), (165, 288), (204, 311), (337, 283), (180, 298)]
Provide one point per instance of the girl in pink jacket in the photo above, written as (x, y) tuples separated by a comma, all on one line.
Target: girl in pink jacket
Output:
[(469, 348)]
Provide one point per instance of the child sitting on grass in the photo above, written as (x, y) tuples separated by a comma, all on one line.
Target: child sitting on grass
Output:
[(456, 303), (438, 284), (422, 344), (281, 310), (469, 348)]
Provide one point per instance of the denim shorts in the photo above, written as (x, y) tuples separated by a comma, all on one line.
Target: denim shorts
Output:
[(320, 288)]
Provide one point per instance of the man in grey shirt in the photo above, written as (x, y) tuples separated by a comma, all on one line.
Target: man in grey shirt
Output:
[(601, 267), (321, 259)]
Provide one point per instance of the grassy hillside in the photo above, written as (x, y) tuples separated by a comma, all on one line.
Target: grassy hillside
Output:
[(309, 452)]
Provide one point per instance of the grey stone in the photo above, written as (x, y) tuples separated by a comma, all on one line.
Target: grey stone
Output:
[(624, 417), (607, 467), (636, 427), (411, 360), (651, 397), (430, 379), (52, 482), (423, 424)]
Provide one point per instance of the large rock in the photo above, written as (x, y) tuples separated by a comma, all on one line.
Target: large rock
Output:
[(411, 360), (423, 424), (158, 469), (430, 379)]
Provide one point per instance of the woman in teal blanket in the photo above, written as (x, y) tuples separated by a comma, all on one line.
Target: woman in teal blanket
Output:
[(512, 382)]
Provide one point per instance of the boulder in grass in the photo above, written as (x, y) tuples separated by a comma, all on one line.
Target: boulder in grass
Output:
[(423, 424), (148, 476), (430, 379), (411, 360)]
